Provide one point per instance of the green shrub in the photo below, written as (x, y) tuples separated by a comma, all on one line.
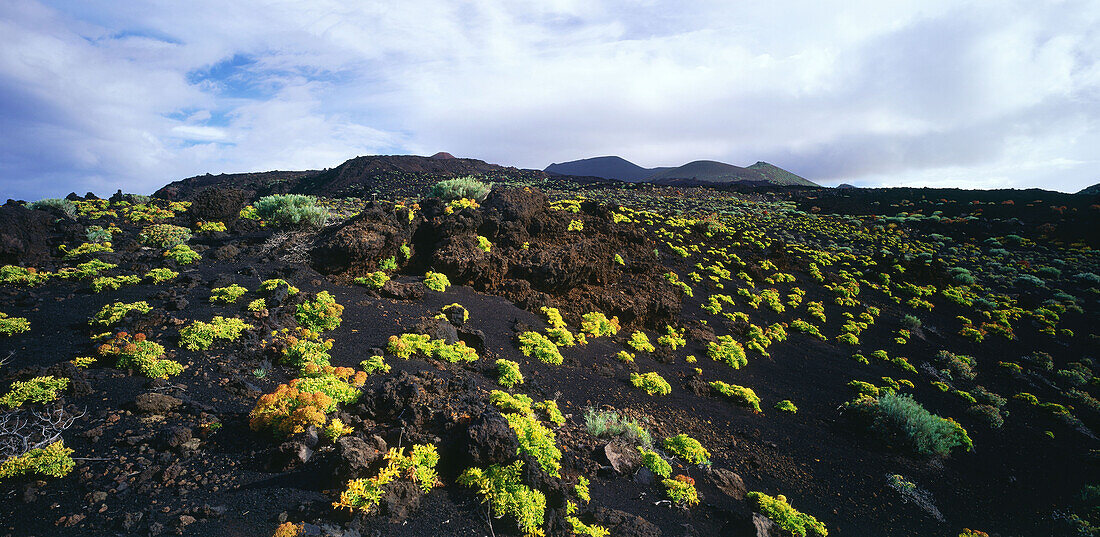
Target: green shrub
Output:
[(257, 305), (419, 466), (114, 282), (640, 342), (553, 413), (374, 364), (509, 403), (607, 424), (926, 433), (786, 406), (553, 316), (320, 314), (182, 254), (742, 395), (227, 295), (503, 489), (84, 249), (651, 383), (437, 281), (653, 461), (36, 390), (54, 460), (688, 448), (536, 440), (291, 210), (483, 244), (200, 336), (590, 530), (727, 350), (136, 352), (164, 235), (374, 280), (269, 286), (161, 275), (112, 313), (597, 324), (672, 339), (85, 270), (405, 345), (461, 187), (508, 374), (13, 325), (61, 204), (681, 490), (539, 346), (339, 391), (22, 276), (787, 518)]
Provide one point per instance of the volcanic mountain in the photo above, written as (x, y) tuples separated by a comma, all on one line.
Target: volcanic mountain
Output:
[(709, 172), (610, 167)]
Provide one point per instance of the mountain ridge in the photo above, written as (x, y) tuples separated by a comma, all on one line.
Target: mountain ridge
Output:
[(698, 172)]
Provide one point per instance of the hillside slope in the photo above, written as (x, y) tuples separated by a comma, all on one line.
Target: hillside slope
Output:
[(610, 167), (703, 172)]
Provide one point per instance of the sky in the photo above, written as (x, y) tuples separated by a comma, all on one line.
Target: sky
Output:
[(106, 95)]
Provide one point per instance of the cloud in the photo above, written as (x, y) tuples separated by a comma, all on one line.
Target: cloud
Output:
[(96, 95)]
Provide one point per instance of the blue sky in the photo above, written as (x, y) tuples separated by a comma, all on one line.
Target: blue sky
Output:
[(98, 95)]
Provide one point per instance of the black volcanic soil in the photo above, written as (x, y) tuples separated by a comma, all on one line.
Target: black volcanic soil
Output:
[(137, 474)]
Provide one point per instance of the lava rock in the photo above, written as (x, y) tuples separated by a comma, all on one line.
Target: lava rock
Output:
[(489, 440), (156, 403)]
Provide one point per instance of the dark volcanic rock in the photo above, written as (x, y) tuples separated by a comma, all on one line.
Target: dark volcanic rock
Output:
[(156, 403), (26, 236), (357, 455), (358, 245), (218, 205), (489, 440), (624, 524)]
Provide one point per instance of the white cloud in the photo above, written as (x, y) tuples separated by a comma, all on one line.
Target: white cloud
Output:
[(100, 95)]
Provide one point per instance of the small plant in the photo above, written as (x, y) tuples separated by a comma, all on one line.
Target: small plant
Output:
[(606, 424), (291, 210), (335, 429), (787, 518), (653, 461), (902, 416), (786, 406), (681, 491), (374, 364), (13, 325), (483, 244), (30, 277), (508, 374), (742, 395), (63, 205), (640, 342), (113, 282), (164, 235), (258, 306), (503, 489), (288, 410), (374, 280), (388, 264), (597, 324), (182, 254), (541, 347), (161, 275), (461, 187), (727, 350), (553, 413), (139, 353), (651, 383), (269, 286), (418, 466), (536, 440), (673, 338), (437, 281), (54, 460), (200, 336), (320, 314), (580, 528), (575, 225), (581, 489), (688, 448), (227, 295), (210, 227), (36, 390), (553, 316), (87, 248)]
